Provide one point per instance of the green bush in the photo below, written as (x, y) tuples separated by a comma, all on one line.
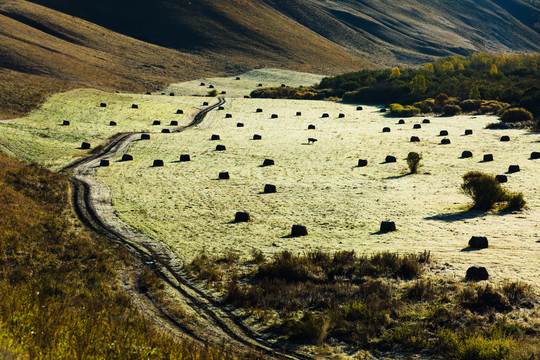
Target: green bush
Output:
[(470, 105), (483, 189), (516, 115), (425, 106), (413, 161), (404, 111), (515, 201), (451, 110), (212, 93)]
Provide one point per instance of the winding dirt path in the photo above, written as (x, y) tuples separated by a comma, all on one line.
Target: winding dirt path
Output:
[(92, 204)]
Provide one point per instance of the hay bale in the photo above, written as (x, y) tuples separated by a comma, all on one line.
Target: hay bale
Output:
[(362, 162), (174, 123), (386, 129), (478, 242), (390, 159), (311, 140), (311, 127), (171, 94), (387, 226), (145, 136), (468, 132), (65, 123), (215, 137), (205, 103), (165, 131), (445, 141), (247, 97), (269, 189), (382, 110), (134, 106), (535, 155), (257, 137), (162, 93), (228, 116), (238, 78), (513, 169), (241, 216), (476, 274), (158, 163), (298, 113), (426, 121), (325, 115), (179, 111), (268, 162), (223, 92), (358, 108), (185, 157), (127, 157), (104, 162), (203, 84), (148, 93), (85, 146), (103, 105), (488, 157), (156, 122), (415, 139), (239, 124), (298, 230), (274, 116), (443, 133), (221, 148), (283, 85), (259, 110), (224, 175), (466, 154), (259, 84), (221, 108), (501, 178), (505, 138), (341, 116), (112, 123), (417, 126), (401, 122), (211, 86)]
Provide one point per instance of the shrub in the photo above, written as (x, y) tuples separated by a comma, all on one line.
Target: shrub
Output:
[(413, 161), (516, 115), (451, 110), (400, 110), (470, 105), (310, 328), (425, 106), (483, 189), (515, 201)]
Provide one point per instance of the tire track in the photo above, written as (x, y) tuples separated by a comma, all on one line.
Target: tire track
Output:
[(91, 202)]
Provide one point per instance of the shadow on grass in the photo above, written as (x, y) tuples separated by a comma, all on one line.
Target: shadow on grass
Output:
[(458, 216), (397, 176), (468, 248)]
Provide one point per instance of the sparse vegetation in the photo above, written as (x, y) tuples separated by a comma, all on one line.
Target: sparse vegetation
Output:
[(485, 191), (413, 161)]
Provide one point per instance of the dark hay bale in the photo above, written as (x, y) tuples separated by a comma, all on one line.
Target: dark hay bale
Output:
[(179, 111), (387, 226), (362, 162), (426, 121), (274, 116), (162, 93), (85, 146), (415, 139), (145, 136), (241, 216), (390, 159), (311, 127), (158, 163), (476, 274), (223, 92), (65, 123), (239, 124), (501, 178), (224, 175), (466, 154), (221, 108), (174, 123), (298, 230), (148, 93), (156, 122), (112, 123), (325, 115), (358, 108), (165, 131), (185, 157), (417, 126), (468, 132), (247, 97), (238, 78), (103, 105), (505, 138), (259, 84), (268, 162), (445, 141), (401, 122), (478, 242), (210, 86), (221, 148), (283, 85), (382, 110), (269, 189), (171, 94), (257, 137), (259, 110), (488, 157), (127, 157), (298, 113), (203, 84), (228, 116), (311, 140), (104, 162), (535, 155), (341, 115), (386, 129), (134, 106), (205, 103), (215, 137), (513, 168), (443, 133)]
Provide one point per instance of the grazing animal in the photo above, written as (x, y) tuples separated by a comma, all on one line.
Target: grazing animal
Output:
[(311, 140)]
